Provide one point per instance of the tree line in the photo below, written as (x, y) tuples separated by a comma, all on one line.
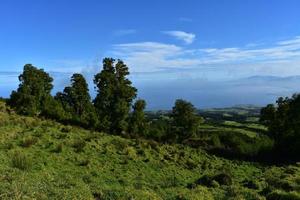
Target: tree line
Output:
[(114, 110), (283, 122)]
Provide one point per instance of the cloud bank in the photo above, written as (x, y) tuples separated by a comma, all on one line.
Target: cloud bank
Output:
[(281, 58)]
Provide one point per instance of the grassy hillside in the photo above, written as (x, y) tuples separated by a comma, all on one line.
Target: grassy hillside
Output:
[(41, 159), (242, 113)]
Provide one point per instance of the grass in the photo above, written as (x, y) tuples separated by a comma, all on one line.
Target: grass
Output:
[(232, 127), (74, 163), (20, 160), (253, 126)]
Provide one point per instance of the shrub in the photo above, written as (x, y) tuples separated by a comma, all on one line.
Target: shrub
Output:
[(205, 180), (20, 160), (79, 145), (223, 179), (251, 184), (209, 181), (280, 195), (66, 129)]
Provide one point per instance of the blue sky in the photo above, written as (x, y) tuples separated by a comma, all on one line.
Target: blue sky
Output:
[(174, 49)]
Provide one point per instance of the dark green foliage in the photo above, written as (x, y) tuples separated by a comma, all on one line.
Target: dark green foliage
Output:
[(240, 144), (66, 129), (223, 178), (185, 120), (267, 114), (284, 125), (53, 109), (159, 129), (76, 102), (78, 145), (79, 94), (138, 123), (35, 85), (204, 180), (115, 95), (252, 184), (281, 195)]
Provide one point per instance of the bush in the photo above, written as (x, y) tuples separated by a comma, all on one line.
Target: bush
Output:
[(66, 129), (79, 145), (251, 184), (204, 180), (213, 181), (20, 160), (223, 179), (280, 195), (243, 145), (53, 109)]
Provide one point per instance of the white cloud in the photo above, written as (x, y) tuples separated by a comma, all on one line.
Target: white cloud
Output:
[(188, 38), (153, 56), (280, 58)]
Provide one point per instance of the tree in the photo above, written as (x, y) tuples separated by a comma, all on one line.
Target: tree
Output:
[(267, 114), (79, 93), (284, 125), (185, 119), (77, 101), (138, 124), (115, 96), (53, 109), (35, 85)]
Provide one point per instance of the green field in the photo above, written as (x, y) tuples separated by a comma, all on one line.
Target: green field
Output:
[(43, 159)]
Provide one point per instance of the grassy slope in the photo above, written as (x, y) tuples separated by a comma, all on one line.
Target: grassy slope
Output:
[(109, 167)]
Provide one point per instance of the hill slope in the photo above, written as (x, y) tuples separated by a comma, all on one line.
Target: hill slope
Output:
[(41, 159)]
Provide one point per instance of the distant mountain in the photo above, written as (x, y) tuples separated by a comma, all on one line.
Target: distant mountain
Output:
[(272, 78)]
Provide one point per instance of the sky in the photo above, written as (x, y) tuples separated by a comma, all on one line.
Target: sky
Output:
[(214, 53)]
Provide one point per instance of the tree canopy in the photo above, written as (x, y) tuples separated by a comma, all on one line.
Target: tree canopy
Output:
[(114, 97), (283, 122), (138, 123), (76, 101), (35, 86), (185, 119)]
